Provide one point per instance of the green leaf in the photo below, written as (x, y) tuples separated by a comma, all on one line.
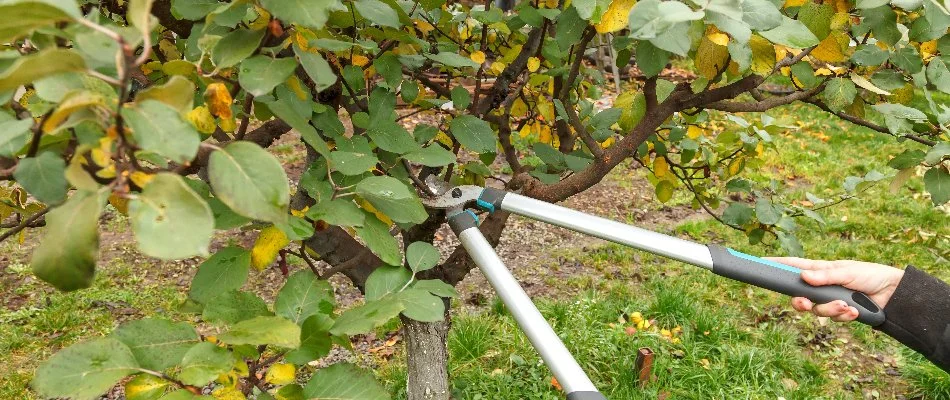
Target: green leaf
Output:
[(737, 214), (261, 74), (766, 212), (312, 14), (288, 108), (55, 87), (839, 93), (350, 163), (937, 74), (170, 220), (569, 28), (651, 59), (235, 47), (66, 256), (22, 17), (460, 97), (315, 340), (317, 68), (234, 306), (385, 280), (378, 12), (791, 33), (431, 156), (473, 133), (453, 60), (907, 159), (340, 212), (422, 256), (883, 23), (157, 344), (436, 287), (43, 176), (391, 136), (649, 19), (302, 296), (422, 305), (14, 134), (203, 363), (251, 181), (84, 371), (226, 270), (791, 244), (908, 59), (868, 55), (937, 182), (30, 68), (377, 237), (178, 92), (362, 319), (390, 68), (817, 17), (343, 382), (145, 387), (393, 198), (276, 331), (138, 14), (936, 153), (761, 15), (159, 128), (193, 9), (664, 191)]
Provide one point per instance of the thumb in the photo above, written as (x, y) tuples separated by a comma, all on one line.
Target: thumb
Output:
[(835, 276)]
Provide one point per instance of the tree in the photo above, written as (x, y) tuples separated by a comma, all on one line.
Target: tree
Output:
[(163, 108)]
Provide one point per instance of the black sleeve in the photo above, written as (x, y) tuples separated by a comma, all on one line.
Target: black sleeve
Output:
[(918, 315)]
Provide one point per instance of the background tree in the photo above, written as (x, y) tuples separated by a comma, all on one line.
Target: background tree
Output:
[(163, 108)]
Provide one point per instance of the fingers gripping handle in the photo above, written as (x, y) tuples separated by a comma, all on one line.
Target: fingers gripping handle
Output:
[(787, 280)]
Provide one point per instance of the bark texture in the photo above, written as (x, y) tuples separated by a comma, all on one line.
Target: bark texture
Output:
[(427, 357)]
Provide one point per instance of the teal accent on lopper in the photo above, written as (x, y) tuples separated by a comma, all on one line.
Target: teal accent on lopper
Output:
[(764, 261)]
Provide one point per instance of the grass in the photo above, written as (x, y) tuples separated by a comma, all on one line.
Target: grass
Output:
[(736, 341)]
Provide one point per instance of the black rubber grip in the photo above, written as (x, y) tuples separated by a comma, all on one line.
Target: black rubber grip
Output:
[(462, 221), (585, 396), (787, 280)]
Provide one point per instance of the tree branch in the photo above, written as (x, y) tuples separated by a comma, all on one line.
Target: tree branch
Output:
[(865, 123), (24, 224)]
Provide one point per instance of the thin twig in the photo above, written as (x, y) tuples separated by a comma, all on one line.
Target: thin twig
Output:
[(24, 224), (248, 102)]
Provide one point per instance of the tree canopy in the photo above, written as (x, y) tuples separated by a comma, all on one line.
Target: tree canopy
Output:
[(163, 109)]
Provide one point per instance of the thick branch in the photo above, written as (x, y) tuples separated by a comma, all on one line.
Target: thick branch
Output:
[(263, 136)]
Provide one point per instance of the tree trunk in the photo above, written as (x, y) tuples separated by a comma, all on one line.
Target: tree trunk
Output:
[(427, 359)]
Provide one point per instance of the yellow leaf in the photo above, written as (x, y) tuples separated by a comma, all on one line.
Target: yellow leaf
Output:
[(694, 132), (534, 63), (281, 374), (794, 3), (841, 20), (144, 387), (121, 204), (228, 393), (719, 38), (497, 67), (736, 166), (369, 207), (660, 167), (478, 56), (360, 60), (73, 102), (544, 133), (763, 55), (616, 17), (832, 48), (607, 143), (525, 130), (218, 99), (141, 178), (270, 241), (202, 119), (823, 72), (902, 95), (711, 58), (551, 3), (228, 124), (423, 26), (928, 49), (519, 108)]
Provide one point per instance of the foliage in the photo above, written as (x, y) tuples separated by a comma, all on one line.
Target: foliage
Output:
[(148, 105)]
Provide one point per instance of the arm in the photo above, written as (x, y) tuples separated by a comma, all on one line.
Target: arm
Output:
[(917, 305)]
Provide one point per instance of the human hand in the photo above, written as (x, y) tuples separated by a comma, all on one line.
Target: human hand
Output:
[(876, 280)]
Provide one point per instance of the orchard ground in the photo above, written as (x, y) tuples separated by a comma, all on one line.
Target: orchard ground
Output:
[(713, 338)]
